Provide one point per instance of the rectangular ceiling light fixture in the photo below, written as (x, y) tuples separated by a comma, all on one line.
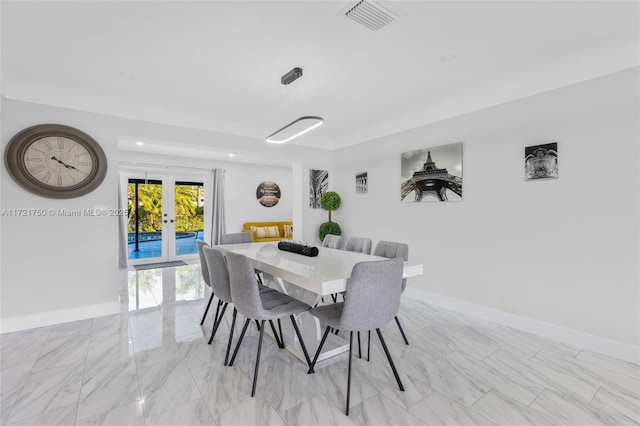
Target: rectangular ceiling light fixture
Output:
[(371, 14), (294, 129)]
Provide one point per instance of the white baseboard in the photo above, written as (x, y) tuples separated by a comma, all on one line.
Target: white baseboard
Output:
[(592, 342), (42, 319)]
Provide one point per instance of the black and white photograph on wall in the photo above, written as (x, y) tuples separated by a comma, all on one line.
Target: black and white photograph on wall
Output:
[(268, 193), (318, 185), (432, 174), (362, 184), (541, 161)]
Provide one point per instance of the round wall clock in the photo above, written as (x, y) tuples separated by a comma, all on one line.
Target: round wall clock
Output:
[(55, 161)]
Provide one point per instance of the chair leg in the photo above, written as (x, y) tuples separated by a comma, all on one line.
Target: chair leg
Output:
[(359, 347), (281, 335), (235, 351), (233, 326), (302, 345), (217, 324), (334, 297), (349, 373), (369, 346), (393, 367), (406, 342), (215, 318), (255, 374), (275, 334), (258, 325), (206, 311), (315, 358)]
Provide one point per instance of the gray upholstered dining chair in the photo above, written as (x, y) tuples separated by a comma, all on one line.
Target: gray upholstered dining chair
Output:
[(217, 266), (372, 300), (219, 280), (358, 245), (204, 270), (236, 238), (253, 304), (390, 250), (240, 238), (332, 241)]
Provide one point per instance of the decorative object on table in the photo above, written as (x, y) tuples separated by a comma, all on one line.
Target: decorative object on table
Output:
[(362, 183), (55, 161), (318, 185), (300, 248), (432, 174), (268, 193), (541, 161), (330, 201)]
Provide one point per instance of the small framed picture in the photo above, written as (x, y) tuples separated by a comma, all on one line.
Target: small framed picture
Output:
[(362, 184), (318, 185), (541, 161)]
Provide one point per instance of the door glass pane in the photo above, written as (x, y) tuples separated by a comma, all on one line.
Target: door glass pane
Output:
[(145, 218), (189, 217)]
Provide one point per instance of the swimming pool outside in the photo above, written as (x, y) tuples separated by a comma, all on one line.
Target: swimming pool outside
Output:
[(150, 244)]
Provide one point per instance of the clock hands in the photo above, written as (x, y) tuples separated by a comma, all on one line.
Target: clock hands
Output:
[(63, 163)]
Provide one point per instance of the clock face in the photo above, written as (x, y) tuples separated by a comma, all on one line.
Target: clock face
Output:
[(56, 161)]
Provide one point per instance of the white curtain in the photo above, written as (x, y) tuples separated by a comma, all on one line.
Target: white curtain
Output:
[(122, 224), (217, 203)]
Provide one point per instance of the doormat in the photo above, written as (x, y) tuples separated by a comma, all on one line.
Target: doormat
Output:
[(159, 265)]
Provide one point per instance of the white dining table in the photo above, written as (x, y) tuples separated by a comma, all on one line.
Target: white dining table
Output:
[(309, 279)]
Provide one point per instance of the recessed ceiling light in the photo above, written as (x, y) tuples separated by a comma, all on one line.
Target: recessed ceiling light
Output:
[(126, 75), (231, 154), (449, 57), (139, 143)]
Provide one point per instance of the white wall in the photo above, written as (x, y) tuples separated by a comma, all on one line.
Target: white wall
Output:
[(564, 251), (51, 263), (62, 264), (242, 206)]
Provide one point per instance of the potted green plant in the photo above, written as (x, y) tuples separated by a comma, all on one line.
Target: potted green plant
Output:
[(330, 201)]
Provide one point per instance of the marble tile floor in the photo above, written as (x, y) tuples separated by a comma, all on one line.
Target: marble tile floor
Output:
[(151, 365)]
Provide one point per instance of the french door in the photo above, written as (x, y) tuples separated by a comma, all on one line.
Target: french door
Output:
[(166, 216)]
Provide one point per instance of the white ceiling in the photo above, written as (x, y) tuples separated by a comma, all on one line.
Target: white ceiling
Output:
[(216, 65)]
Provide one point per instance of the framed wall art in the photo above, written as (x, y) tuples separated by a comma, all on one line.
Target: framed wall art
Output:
[(268, 193), (432, 174), (541, 161), (362, 183), (318, 185)]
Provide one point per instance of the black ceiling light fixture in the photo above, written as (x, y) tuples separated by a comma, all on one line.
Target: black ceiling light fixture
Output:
[(291, 76), (297, 127)]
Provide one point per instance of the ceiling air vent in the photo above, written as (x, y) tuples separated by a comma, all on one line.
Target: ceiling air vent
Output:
[(371, 14)]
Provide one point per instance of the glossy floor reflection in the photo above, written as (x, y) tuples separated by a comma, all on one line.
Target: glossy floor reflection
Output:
[(151, 365)]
